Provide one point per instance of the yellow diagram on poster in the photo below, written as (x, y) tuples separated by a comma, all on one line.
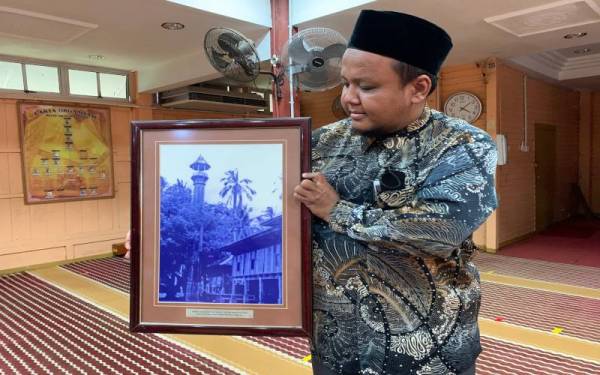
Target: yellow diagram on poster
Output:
[(66, 152)]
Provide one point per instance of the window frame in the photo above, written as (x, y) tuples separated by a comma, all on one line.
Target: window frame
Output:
[(22, 76), (63, 81)]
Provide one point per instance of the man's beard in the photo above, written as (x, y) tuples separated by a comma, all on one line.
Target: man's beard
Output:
[(377, 133)]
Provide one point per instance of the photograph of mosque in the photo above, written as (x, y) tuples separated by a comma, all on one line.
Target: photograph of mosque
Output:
[(221, 223)]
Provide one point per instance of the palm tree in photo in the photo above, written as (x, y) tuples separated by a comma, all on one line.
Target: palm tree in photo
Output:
[(235, 189), (246, 225), (268, 214)]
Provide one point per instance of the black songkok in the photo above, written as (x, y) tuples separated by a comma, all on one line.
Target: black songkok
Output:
[(403, 37)]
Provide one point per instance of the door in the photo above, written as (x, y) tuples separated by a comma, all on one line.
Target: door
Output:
[(545, 167)]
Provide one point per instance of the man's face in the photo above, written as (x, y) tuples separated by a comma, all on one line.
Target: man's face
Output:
[(373, 95)]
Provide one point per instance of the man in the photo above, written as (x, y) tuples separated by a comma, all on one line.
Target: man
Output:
[(397, 190)]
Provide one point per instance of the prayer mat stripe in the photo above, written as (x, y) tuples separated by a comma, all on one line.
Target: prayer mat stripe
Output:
[(577, 316), (499, 357), (45, 330), (110, 271), (114, 272), (583, 276), (296, 347)]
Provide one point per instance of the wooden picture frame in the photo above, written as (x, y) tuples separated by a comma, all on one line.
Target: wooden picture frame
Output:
[(219, 244), (66, 153)]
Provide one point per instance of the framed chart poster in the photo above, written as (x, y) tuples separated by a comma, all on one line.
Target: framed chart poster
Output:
[(219, 244), (66, 153)]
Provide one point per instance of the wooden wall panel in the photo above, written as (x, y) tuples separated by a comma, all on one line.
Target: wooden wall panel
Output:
[(74, 218), (5, 223), (120, 128), (39, 220), (31, 258), (546, 104), (595, 162), (105, 215), (15, 176), (4, 180), (9, 129), (585, 145), (560, 108), (20, 219), (124, 200), (92, 248), (514, 180), (35, 234), (90, 216), (317, 105), (56, 221), (122, 170)]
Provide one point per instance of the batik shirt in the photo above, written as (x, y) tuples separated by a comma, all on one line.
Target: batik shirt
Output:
[(395, 291)]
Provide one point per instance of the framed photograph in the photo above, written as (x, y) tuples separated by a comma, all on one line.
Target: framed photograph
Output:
[(219, 244), (66, 153)]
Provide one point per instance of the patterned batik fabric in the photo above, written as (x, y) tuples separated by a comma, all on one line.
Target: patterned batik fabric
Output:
[(395, 291)]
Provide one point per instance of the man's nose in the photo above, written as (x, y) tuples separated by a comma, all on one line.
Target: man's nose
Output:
[(349, 95)]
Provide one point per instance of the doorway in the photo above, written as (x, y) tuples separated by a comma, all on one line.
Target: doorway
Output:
[(545, 174)]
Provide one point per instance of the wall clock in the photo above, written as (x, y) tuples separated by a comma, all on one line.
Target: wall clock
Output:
[(463, 105)]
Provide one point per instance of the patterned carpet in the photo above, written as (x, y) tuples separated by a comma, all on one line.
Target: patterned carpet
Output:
[(44, 330), (114, 272), (583, 276), (500, 358), (579, 317)]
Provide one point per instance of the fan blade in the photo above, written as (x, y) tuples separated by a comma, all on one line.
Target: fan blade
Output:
[(315, 78), (333, 51), (228, 43), (248, 66), (245, 48), (218, 59), (298, 53)]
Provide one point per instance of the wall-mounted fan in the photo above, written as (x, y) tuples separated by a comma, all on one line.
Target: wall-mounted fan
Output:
[(314, 56), (235, 56)]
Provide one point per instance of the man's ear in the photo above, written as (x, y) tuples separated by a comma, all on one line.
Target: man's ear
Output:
[(422, 86)]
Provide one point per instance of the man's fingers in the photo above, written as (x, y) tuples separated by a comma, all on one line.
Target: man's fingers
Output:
[(307, 200), (309, 185), (319, 179), (310, 175), (301, 192)]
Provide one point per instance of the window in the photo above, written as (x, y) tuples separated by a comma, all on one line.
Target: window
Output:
[(42, 78), (113, 85), (38, 78), (83, 82), (11, 76)]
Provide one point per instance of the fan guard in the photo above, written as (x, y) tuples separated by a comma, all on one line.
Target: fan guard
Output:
[(232, 54), (315, 56)]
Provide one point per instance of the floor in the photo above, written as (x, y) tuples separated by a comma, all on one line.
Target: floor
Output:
[(537, 317), (575, 241)]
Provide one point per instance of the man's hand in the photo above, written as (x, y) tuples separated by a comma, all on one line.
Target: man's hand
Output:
[(317, 195)]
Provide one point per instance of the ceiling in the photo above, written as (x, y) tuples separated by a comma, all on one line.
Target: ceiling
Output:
[(128, 34)]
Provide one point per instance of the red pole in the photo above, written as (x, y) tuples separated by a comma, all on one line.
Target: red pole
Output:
[(279, 36)]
